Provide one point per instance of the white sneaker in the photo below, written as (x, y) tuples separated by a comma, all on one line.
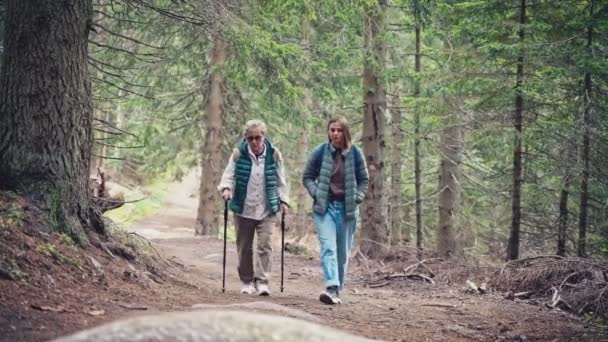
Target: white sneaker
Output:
[(263, 290), (248, 288)]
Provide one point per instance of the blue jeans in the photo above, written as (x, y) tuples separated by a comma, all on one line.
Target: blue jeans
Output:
[(336, 237)]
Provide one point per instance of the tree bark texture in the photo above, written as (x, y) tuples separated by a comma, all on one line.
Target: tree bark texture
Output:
[(585, 153), (417, 156), (374, 228), (303, 219), (46, 110), (451, 147), (518, 118), (207, 220), (397, 231), (563, 217), (301, 195), (450, 150)]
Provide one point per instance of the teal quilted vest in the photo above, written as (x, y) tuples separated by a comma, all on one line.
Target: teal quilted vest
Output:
[(242, 173)]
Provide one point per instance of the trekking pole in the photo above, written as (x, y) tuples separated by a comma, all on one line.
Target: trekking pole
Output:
[(225, 231), (282, 248)]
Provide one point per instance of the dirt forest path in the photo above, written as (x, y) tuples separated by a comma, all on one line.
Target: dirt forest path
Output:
[(417, 312)]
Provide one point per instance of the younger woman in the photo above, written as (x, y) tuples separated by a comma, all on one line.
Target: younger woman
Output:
[(336, 178)]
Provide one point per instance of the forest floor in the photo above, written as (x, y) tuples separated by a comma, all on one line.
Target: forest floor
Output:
[(60, 297)]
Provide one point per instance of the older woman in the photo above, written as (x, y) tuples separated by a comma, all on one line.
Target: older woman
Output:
[(336, 178), (254, 182)]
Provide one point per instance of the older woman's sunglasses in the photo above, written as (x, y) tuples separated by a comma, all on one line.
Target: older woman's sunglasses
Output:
[(256, 138)]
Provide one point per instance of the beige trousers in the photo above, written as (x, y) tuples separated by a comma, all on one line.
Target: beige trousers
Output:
[(245, 233)]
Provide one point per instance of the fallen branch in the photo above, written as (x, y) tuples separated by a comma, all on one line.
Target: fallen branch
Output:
[(59, 308), (523, 295), (440, 305), (431, 273), (566, 279), (373, 286), (132, 306), (519, 295), (556, 300), (410, 275), (388, 279), (419, 264)]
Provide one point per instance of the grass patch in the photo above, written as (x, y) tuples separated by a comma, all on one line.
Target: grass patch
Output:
[(67, 240), (599, 321), (11, 213), (9, 269), (11, 220), (50, 250)]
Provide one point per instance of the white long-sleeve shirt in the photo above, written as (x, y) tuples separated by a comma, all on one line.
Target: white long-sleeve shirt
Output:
[(255, 206)]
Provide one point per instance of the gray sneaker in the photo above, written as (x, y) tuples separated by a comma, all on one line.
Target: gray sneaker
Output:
[(331, 296), (247, 288), (263, 289)]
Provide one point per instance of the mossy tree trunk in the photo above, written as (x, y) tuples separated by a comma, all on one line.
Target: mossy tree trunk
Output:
[(46, 110)]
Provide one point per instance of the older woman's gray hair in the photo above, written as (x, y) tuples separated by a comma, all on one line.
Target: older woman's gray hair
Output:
[(255, 123)]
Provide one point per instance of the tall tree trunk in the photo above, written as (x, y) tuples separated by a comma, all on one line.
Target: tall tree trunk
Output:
[(585, 158), (301, 197), (563, 217), (417, 157), (449, 187), (46, 111), (374, 229), (207, 220), (513, 252), (451, 148), (396, 162)]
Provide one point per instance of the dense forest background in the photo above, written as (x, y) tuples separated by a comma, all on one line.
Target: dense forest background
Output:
[(483, 122)]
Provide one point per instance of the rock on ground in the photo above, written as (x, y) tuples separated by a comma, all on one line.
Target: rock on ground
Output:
[(211, 326)]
